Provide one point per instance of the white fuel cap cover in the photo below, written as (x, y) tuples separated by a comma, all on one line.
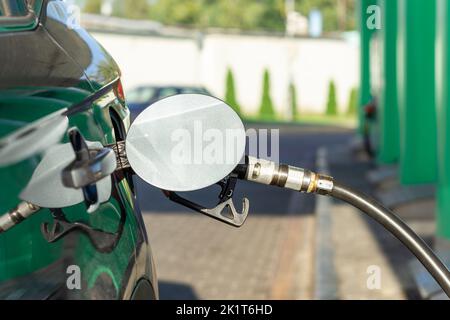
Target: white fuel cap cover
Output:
[(186, 142)]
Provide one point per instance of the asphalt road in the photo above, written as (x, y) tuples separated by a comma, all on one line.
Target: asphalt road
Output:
[(269, 258)]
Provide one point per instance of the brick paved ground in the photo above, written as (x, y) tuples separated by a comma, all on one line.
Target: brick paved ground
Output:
[(355, 253), (271, 257), (359, 242)]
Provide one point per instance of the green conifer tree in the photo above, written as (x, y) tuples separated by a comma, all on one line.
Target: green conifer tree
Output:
[(267, 110), (230, 93), (353, 102), (332, 108), (293, 101), (93, 6)]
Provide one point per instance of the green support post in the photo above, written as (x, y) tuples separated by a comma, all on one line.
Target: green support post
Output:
[(443, 119), (416, 91), (388, 115)]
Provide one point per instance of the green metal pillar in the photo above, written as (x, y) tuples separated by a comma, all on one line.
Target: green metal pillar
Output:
[(366, 35), (416, 90), (443, 118), (388, 117)]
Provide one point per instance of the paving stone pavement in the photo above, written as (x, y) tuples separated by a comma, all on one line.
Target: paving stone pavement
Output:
[(198, 258), (270, 257), (359, 259), (360, 243)]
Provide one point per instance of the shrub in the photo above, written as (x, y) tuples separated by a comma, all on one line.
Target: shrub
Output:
[(293, 101), (353, 102), (131, 9), (93, 6), (230, 93), (267, 110), (332, 108)]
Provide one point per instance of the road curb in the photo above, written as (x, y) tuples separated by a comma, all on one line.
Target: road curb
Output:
[(325, 282)]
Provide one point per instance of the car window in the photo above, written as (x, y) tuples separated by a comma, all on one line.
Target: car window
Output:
[(167, 92), (141, 95), (195, 90), (17, 8), (19, 14)]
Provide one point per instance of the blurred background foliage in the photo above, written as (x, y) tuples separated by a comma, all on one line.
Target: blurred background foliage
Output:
[(353, 102), (230, 92), (256, 15), (332, 107), (267, 109), (266, 15)]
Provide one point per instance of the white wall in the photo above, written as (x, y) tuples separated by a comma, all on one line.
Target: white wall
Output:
[(311, 63)]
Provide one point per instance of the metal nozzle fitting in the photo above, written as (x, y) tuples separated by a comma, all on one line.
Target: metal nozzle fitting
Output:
[(269, 173), (23, 211)]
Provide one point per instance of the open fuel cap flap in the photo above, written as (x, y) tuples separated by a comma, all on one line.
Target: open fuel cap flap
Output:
[(189, 142), (186, 142)]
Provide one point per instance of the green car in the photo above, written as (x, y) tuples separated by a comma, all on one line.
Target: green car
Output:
[(48, 63)]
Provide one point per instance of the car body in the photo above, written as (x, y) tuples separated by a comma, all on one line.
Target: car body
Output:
[(141, 97), (47, 64)]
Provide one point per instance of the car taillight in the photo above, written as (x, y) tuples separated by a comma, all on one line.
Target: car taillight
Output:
[(119, 91), (370, 110)]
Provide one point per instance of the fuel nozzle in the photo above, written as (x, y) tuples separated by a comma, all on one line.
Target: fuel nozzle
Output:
[(285, 176), (14, 217), (288, 177)]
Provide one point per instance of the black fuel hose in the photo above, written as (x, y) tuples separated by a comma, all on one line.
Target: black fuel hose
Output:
[(399, 229)]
